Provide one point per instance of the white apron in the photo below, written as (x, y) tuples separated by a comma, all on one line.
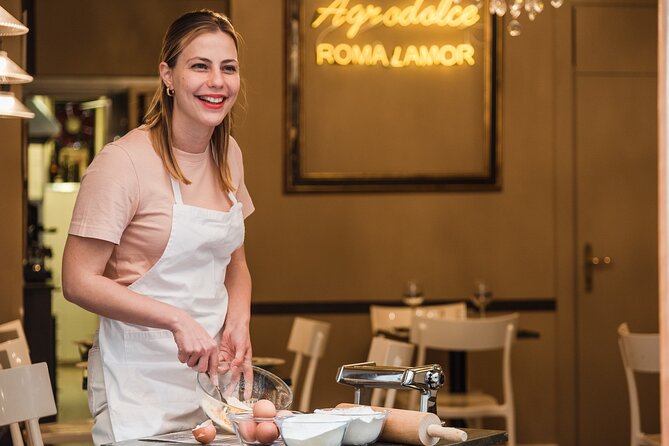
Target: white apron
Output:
[(148, 390)]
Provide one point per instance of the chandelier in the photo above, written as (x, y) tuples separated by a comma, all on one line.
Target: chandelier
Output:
[(516, 7)]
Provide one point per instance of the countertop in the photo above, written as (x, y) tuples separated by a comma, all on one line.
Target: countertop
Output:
[(476, 437)]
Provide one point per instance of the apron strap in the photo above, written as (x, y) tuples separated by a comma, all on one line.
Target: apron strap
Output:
[(233, 199), (177, 191)]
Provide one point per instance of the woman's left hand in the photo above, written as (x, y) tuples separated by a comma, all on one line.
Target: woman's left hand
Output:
[(235, 345), (235, 352)]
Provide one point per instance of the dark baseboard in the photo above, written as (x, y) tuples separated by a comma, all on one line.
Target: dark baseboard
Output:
[(360, 307)]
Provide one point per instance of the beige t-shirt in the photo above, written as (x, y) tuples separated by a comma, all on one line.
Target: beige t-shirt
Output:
[(126, 198)]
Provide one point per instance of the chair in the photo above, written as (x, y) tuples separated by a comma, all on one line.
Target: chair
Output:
[(383, 351), (308, 338), (481, 334), (26, 396), (391, 319), (641, 354), (14, 353), (12, 330)]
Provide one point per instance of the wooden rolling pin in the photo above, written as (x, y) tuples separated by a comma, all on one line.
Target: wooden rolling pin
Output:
[(414, 428)]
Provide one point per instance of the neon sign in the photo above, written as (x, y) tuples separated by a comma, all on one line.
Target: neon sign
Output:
[(445, 14), (357, 17), (421, 56)]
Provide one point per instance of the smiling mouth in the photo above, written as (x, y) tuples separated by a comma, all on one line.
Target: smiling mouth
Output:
[(212, 100)]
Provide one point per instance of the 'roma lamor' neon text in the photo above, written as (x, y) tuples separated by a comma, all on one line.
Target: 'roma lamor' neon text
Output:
[(358, 15), (421, 56)]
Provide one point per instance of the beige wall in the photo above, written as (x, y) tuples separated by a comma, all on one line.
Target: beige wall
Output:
[(11, 185), (365, 246), (62, 50)]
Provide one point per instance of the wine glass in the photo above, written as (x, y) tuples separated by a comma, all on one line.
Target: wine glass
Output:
[(413, 294), (481, 297)]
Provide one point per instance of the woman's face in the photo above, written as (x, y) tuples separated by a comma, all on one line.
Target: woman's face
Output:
[(205, 80)]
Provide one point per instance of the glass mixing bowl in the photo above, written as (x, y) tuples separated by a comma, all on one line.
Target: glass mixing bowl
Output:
[(241, 387), (255, 431)]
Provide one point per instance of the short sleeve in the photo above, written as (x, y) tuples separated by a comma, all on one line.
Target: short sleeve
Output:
[(236, 164), (108, 196)]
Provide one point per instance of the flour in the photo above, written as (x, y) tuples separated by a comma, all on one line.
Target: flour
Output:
[(313, 430), (365, 423), (217, 410)]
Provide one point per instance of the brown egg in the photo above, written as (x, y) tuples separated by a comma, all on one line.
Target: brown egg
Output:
[(247, 430), (264, 409), (204, 432), (284, 413), (267, 432)]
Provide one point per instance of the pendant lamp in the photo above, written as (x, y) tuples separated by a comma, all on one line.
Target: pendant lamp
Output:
[(10, 107), (10, 72), (9, 26)]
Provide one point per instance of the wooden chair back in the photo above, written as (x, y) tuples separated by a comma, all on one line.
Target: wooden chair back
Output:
[(384, 351), (640, 353), (26, 397), (308, 338)]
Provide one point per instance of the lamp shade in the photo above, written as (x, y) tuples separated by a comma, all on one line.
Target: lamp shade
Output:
[(10, 107), (9, 26), (11, 73)]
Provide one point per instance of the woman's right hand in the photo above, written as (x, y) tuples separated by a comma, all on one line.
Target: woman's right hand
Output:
[(196, 348)]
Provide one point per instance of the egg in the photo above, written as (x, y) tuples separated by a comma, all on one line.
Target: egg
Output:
[(204, 432), (247, 430), (264, 409), (267, 432), (284, 413)]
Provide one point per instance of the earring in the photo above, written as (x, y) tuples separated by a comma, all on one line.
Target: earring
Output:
[(170, 91)]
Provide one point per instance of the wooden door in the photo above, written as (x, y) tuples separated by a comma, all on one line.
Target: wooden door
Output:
[(615, 130)]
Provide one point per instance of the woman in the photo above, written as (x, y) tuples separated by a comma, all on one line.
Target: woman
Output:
[(155, 246)]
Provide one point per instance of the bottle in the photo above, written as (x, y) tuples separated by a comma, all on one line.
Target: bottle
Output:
[(65, 169), (53, 166), (74, 172)]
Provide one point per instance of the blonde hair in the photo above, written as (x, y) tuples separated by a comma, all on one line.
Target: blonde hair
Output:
[(158, 118)]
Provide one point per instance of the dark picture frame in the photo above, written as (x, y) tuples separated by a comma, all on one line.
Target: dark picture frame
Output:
[(300, 178)]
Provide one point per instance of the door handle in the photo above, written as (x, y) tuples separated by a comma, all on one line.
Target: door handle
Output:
[(591, 262)]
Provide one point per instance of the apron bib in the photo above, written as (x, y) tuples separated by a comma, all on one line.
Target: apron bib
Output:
[(148, 390)]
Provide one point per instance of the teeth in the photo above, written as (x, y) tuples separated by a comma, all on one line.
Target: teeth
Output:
[(211, 100)]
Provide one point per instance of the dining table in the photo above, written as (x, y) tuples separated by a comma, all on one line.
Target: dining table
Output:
[(475, 437)]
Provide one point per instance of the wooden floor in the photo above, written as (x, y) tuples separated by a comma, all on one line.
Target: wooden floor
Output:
[(72, 399)]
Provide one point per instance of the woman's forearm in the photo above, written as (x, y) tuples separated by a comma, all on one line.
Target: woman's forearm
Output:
[(84, 260), (235, 342), (238, 284)]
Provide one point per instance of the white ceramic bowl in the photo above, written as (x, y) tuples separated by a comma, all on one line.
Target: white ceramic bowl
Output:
[(365, 426), (312, 429)]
